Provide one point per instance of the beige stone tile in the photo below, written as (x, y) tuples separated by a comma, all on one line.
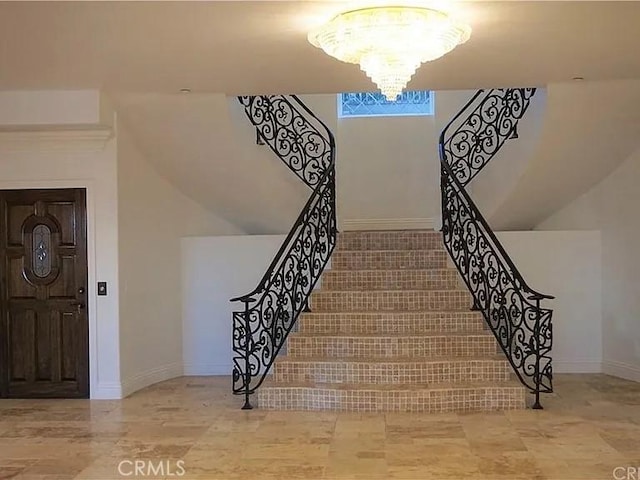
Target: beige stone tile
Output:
[(97, 471), (509, 466), (360, 468), (70, 467), (200, 423), (277, 452), (416, 472), (442, 467), (10, 471), (419, 451), (431, 430)]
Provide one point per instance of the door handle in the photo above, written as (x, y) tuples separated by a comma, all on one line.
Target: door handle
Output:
[(80, 305)]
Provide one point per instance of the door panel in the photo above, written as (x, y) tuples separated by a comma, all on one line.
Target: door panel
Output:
[(43, 284)]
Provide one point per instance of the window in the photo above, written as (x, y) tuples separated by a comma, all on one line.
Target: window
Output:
[(41, 251), (374, 104)]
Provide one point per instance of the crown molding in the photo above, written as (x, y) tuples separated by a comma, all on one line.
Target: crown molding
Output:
[(55, 138)]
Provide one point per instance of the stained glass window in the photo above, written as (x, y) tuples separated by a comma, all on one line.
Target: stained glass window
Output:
[(41, 251), (373, 104)]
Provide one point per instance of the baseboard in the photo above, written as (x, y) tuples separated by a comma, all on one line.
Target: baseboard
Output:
[(151, 376), (388, 224), (198, 369), (621, 369), (573, 366), (106, 391)]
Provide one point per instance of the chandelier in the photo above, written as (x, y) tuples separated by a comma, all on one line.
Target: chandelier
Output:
[(390, 43)]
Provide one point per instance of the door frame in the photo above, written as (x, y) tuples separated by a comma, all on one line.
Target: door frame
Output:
[(92, 312)]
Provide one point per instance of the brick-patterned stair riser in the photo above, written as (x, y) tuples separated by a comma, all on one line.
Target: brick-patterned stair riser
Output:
[(416, 300), (417, 240), (393, 346), (441, 279), (390, 322), (370, 400), (388, 260), (390, 372)]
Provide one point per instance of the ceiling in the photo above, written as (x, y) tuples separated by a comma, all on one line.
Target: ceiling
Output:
[(260, 47)]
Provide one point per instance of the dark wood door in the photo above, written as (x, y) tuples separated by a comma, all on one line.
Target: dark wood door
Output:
[(44, 333)]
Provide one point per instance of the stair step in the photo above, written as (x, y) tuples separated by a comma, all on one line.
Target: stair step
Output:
[(432, 279), (389, 345), (390, 322), (397, 370), (389, 300), (388, 259), (432, 398), (391, 331), (390, 240)]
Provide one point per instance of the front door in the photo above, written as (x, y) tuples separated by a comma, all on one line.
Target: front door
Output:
[(44, 329)]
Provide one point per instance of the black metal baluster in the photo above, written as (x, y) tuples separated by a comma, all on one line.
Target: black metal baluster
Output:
[(507, 303), (305, 144), (247, 353), (536, 337)]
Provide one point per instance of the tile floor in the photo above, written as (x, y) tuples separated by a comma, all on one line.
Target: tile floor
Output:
[(590, 428)]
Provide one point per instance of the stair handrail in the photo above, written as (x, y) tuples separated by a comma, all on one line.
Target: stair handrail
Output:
[(511, 308), (273, 307)]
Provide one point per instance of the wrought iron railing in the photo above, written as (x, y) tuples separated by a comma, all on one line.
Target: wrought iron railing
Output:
[(299, 138), (510, 307), (307, 146)]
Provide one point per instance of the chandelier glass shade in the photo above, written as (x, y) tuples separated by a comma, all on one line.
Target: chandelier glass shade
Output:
[(390, 43)]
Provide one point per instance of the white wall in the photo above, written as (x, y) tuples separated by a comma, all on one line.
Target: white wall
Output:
[(202, 144), (153, 216), (589, 129), (214, 270), (565, 264), (448, 104), (501, 175), (611, 206), (51, 157), (388, 171), (387, 168), (325, 107)]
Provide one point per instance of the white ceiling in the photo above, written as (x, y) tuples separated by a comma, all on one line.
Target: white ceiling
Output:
[(260, 47)]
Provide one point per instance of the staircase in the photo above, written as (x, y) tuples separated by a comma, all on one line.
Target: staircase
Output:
[(391, 330)]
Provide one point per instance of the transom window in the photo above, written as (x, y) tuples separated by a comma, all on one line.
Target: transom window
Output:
[(374, 104)]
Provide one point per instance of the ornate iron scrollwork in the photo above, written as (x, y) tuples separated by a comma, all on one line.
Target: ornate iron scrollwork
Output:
[(485, 130), (272, 308), (510, 307), (294, 134)]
